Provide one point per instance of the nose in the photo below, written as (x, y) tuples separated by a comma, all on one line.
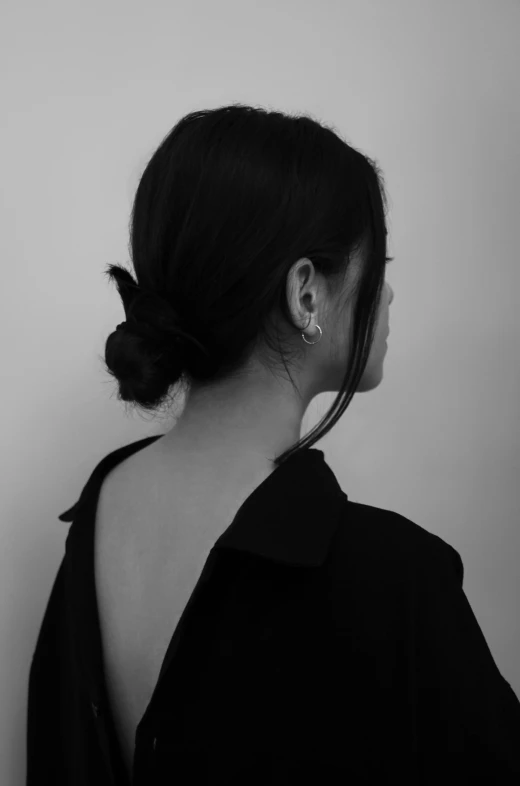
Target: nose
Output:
[(391, 294)]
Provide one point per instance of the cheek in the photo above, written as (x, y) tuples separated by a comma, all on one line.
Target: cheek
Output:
[(379, 347)]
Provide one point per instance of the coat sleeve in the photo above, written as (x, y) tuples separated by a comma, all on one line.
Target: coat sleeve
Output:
[(469, 716), (48, 674)]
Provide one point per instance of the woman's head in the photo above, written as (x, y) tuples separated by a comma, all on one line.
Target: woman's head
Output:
[(248, 228)]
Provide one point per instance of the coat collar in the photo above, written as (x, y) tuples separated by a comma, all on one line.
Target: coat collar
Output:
[(291, 517)]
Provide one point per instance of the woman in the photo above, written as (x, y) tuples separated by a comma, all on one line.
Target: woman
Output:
[(224, 614)]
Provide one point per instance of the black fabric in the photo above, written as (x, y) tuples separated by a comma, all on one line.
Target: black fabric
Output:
[(326, 642)]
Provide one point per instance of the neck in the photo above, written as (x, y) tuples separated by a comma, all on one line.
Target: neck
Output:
[(239, 420)]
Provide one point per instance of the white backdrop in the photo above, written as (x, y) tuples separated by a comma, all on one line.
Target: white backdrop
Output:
[(430, 89)]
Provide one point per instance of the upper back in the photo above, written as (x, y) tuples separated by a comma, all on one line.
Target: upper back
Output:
[(155, 526)]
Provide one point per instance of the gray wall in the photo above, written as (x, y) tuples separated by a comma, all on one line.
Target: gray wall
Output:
[(428, 88)]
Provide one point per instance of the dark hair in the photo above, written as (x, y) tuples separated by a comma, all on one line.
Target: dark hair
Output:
[(230, 199)]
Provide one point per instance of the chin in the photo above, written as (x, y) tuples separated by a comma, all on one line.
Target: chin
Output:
[(371, 379)]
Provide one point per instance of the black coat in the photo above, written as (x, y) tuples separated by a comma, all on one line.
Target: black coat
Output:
[(326, 642)]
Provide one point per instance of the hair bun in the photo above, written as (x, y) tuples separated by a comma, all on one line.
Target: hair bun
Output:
[(148, 314), (163, 336), (159, 335)]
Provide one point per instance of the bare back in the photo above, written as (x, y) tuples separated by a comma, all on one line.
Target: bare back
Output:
[(155, 526)]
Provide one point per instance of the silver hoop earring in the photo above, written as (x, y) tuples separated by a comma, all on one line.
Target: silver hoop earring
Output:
[(313, 342)]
